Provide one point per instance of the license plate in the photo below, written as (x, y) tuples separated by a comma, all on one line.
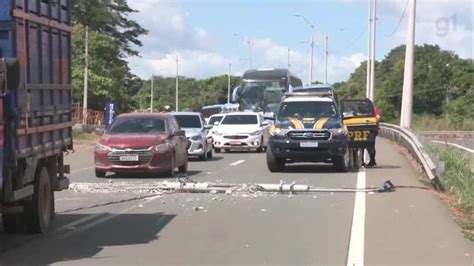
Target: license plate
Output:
[(129, 158), (309, 144), (235, 143)]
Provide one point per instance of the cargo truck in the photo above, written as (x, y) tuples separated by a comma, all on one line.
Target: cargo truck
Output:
[(35, 110)]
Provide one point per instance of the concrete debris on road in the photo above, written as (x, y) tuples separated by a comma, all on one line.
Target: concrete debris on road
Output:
[(263, 210), (242, 190), (200, 208)]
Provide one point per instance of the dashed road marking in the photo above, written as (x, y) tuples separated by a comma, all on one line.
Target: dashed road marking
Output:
[(355, 255), (82, 169), (237, 162)]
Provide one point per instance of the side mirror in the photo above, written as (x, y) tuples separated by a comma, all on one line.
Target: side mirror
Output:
[(208, 126), (265, 123), (216, 123), (179, 133)]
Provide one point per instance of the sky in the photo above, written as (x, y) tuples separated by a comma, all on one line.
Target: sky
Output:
[(209, 35)]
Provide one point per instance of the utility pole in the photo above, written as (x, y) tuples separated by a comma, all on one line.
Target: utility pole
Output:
[(177, 89), (86, 77), (151, 93), (228, 83), (326, 61), (369, 52), (288, 58), (407, 96), (372, 62)]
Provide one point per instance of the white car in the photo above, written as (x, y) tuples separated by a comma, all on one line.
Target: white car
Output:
[(196, 132), (240, 131), (215, 118)]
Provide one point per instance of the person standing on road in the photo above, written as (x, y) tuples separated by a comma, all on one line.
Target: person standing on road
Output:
[(371, 149)]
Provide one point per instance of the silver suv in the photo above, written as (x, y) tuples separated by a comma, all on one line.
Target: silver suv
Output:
[(194, 125)]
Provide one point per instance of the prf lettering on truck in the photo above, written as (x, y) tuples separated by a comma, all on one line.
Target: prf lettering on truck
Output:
[(359, 135)]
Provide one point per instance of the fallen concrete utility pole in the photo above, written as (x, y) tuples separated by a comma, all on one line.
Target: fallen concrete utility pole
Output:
[(282, 188)]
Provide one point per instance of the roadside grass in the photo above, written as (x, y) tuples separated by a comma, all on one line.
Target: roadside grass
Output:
[(458, 180), (435, 123), (82, 138)]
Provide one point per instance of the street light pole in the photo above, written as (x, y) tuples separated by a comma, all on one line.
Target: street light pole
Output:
[(177, 87), (86, 77), (288, 58), (407, 96), (152, 92), (311, 59), (326, 61), (228, 83), (248, 41), (311, 25)]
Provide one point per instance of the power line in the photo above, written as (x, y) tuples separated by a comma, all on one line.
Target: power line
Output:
[(353, 41), (399, 22)]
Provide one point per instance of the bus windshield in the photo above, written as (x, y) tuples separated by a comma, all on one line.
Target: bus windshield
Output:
[(261, 96)]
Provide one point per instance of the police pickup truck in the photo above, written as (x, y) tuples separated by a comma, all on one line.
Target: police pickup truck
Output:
[(308, 128)]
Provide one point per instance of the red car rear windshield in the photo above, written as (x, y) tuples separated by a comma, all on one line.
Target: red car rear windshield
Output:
[(141, 125)]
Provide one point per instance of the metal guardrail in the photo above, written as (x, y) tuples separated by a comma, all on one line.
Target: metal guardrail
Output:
[(407, 139)]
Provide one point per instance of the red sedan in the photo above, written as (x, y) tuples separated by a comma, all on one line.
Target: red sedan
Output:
[(142, 143)]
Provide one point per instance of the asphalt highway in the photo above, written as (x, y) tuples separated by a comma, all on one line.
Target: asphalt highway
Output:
[(100, 221)]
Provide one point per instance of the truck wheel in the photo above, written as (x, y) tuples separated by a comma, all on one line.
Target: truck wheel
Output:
[(203, 157), (343, 163), (217, 150), (100, 174), (38, 211), (13, 223), (274, 164)]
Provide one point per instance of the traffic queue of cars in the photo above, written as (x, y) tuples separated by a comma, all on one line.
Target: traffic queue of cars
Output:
[(162, 142), (308, 126)]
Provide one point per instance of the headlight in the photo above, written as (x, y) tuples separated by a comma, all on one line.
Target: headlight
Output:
[(197, 137), (255, 133), (162, 147), (101, 147), (338, 131), (276, 131)]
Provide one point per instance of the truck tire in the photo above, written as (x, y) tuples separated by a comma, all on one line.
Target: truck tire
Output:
[(13, 223), (343, 163), (217, 150), (100, 174), (274, 164), (38, 211)]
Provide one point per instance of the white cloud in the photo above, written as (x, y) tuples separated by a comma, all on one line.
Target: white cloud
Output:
[(171, 35)]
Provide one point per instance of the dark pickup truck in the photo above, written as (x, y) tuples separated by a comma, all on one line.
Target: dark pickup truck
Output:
[(35, 110)]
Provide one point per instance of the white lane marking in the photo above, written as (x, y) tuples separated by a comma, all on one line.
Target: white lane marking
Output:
[(356, 245), (237, 162), (454, 144), (82, 169)]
